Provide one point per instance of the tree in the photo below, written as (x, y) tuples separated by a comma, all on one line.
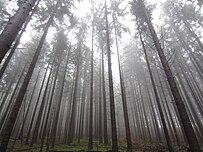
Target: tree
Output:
[(111, 91), (123, 92), (90, 144), (17, 41), (14, 26)]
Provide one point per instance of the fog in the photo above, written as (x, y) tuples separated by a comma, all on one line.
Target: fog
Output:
[(101, 75)]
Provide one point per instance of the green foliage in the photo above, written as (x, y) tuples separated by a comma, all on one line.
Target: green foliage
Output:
[(13, 145), (137, 145), (82, 147), (73, 147)]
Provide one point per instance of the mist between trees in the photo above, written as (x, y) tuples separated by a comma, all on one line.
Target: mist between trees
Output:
[(101, 75)]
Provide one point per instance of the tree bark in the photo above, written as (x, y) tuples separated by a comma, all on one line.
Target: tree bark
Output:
[(123, 93), (14, 26), (17, 41), (111, 91), (90, 143), (106, 140)]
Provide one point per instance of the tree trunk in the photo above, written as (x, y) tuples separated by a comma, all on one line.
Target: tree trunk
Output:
[(100, 103), (14, 26), (90, 143), (111, 91), (123, 93), (104, 101), (17, 41)]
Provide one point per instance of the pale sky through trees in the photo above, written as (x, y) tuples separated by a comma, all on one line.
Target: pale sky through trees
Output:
[(63, 86)]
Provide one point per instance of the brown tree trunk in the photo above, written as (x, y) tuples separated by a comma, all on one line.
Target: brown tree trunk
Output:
[(111, 91)]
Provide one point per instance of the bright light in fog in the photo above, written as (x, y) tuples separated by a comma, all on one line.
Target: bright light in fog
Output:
[(82, 8)]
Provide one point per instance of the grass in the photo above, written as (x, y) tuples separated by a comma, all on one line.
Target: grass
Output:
[(82, 147), (73, 147)]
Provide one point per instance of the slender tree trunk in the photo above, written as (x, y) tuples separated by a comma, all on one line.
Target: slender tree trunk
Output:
[(111, 91), (90, 144), (104, 101), (123, 93), (100, 102), (14, 26)]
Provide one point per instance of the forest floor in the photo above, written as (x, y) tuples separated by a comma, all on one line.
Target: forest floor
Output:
[(137, 147)]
